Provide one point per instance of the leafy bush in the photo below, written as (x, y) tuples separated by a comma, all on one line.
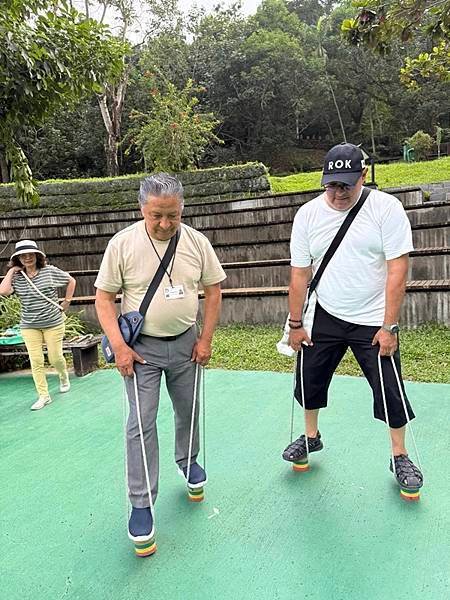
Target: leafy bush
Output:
[(9, 312), (174, 134), (422, 143), (10, 315)]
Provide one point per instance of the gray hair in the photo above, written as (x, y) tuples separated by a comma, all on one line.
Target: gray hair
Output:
[(160, 185)]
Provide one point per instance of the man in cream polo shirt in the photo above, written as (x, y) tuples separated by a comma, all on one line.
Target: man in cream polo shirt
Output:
[(169, 342)]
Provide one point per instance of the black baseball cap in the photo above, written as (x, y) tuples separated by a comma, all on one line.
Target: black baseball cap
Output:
[(344, 163)]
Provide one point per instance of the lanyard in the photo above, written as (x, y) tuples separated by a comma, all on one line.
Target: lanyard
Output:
[(169, 273)]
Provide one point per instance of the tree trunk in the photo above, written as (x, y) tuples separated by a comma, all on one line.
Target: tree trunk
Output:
[(337, 108), (4, 171), (112, 119), (372, 134)]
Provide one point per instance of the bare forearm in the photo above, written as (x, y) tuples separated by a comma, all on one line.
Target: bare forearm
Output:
[(395, 288), (395, 292), (297, 291), (70, 289), (6, 288), (211, 312), (106, 313)]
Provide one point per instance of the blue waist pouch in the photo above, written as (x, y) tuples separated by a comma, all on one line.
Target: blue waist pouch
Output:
[(130, 325)]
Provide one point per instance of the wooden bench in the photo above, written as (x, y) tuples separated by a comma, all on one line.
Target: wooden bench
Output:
[(84, 350)]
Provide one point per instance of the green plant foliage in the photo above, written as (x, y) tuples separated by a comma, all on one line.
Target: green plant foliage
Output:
[(380, 24), (173, 135), (74, 325), (422, 143), (10, 310), (50, 57)]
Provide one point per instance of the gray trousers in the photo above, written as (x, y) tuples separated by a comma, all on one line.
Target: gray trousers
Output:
[(174, 359)]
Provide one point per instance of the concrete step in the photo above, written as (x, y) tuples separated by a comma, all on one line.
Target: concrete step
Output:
[(277, 209), (432, 262), (86, 253), (425, 301)]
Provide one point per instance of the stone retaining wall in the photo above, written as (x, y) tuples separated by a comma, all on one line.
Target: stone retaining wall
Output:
[(206, 185)]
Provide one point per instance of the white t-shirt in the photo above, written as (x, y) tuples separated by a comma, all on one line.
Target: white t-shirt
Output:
[(352, 287), (130, 262)]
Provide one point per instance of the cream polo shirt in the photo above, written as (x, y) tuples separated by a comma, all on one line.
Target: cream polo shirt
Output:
[(130, 262), (352, 287)]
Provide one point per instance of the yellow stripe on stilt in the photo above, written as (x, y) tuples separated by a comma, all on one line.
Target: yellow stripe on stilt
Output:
[(410, 496), (196, 495), (145, 548), (303, 466)]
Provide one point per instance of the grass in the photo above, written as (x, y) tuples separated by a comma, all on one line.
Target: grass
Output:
[(425, 352), (392, 175)]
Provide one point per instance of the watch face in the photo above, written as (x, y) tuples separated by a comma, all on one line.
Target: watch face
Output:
[(395, 329)]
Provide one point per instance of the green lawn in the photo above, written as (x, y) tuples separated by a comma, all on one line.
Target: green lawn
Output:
[(425, 352), (392, 175)]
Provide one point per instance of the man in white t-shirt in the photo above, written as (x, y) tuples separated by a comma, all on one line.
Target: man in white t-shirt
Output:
[(168, 342), (358, 301)]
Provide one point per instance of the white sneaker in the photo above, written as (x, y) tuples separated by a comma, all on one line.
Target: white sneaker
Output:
[(64, 386), (41, 402)]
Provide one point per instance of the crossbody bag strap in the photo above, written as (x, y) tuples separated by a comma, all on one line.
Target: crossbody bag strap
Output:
[(40, 293), (154, 284), (338, 239)]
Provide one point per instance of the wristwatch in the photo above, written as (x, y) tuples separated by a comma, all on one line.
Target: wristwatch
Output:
[(394, 328)]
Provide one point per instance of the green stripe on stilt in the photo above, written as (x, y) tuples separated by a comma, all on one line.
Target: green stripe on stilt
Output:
[(145, 548), (410, 496)]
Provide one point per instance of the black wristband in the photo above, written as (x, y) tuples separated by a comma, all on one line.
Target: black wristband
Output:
[(295, 321), (296, 326)]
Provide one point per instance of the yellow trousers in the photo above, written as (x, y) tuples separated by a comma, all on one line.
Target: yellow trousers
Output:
[(52, 337)]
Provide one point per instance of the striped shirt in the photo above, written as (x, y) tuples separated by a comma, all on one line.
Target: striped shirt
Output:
[(37, 312)]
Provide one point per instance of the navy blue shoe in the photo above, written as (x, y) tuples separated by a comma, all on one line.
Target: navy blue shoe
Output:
[(140, 525), (197, 475)]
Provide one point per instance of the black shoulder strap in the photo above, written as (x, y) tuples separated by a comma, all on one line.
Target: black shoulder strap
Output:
[(338, 239), (154, 284)]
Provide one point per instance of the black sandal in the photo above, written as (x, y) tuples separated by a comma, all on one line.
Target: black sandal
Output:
[(409, 477), (296, 451)]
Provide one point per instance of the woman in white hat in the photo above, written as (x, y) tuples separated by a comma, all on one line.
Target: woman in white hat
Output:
[(42, 316)]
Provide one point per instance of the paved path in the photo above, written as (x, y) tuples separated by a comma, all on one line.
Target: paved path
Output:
[(338, 532)]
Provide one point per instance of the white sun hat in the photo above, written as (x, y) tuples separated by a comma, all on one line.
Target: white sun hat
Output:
[(26, 246)]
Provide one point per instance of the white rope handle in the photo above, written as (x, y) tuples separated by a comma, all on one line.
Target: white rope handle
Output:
[(191, 432), (293, 397), (408, 420), (40, 293), (141, 437), (125, 401), (203, 404), (304, 402), (302, 391)]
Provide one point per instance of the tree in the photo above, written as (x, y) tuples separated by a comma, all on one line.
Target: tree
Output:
[(381, 23), (262, 77), (321, 28), (50, 57), (172, 136), (158, 16)]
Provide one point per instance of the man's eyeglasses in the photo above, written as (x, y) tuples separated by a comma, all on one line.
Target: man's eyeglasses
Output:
[(343, 187)]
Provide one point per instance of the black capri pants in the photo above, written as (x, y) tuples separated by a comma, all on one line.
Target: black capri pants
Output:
[(331, 337)]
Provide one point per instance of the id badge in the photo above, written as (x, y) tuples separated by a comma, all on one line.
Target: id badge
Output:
[(173, 292)]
